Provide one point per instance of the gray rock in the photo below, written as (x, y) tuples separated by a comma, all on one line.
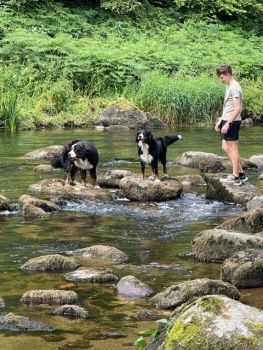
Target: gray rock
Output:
[(130, 286), (50, 263), (180, 293), (71, 311), (216, 323), (244, 269), (217, 245), (254, 203), (66, 191), (191, 180), (248, 222), (49, 296), (100, 251), (2, 303), (140, 190), (89, 275), (45, 168), (145, 315), (34, 207), (46, 152), (260, 177), (228, 193), (15, 323), (257, 159), (4, 203), (112, 178)]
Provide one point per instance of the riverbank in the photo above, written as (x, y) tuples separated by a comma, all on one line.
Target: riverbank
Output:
[(64, 63)]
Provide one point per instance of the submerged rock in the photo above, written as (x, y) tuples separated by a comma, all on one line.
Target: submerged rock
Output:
[(248, 222), (228, 193), (100, 251), (89, 275), (71, 311), (78, 191), (34, 207), (214, 323), (130, 286), (49, 296), (217, 245), (46, 152), (4, 203), (15, 323), (180, 293), (50, 263), (112, 178), (140, 190), (244, 269)]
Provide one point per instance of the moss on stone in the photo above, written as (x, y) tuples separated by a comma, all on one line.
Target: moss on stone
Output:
[(213, 305)]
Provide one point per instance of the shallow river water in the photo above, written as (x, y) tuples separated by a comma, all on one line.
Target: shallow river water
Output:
[(156, 237)]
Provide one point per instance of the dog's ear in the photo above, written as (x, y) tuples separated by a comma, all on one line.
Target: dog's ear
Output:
[(137, 135)]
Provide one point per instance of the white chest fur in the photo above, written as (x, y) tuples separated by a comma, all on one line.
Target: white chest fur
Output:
[(83, 164), (145, 156)]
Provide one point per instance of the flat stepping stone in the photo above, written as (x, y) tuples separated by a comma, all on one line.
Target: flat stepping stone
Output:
[(87, 275), (49, 296), (50, 263)]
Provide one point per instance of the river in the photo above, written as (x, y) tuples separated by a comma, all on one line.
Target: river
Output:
[(157, 237)]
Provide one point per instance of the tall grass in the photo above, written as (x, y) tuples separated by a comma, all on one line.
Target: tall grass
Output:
[(178, 98), (9, 117)]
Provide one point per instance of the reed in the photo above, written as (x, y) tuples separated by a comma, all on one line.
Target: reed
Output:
[(9, 118)]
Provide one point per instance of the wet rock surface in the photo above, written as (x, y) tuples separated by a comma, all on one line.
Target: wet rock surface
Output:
[(49, 296), (59, 187), (100, 251), (71, 311), (244, 269), (220, 191), (34, 207), (180, 293), (90, 275), (15, 323), (45, 168), (45, 152), (50, 263), (112, 178), (4, 203), (130, 286), (248, 222), (217, 245), (254, 203), (2, 303), (191, 180), (219, 321)]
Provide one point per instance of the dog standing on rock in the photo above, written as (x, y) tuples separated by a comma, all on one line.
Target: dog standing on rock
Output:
[(78, 155), (151, 150)]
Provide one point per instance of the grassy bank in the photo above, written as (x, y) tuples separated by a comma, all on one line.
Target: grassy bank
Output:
[(64, 64)]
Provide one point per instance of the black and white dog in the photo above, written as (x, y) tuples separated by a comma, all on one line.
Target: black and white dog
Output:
[(78, 155), (151, 150)]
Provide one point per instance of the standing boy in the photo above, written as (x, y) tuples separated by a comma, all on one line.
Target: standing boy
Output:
[(229, 123)]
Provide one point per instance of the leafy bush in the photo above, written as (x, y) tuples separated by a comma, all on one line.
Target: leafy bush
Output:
[(121, 7), (253, 102)]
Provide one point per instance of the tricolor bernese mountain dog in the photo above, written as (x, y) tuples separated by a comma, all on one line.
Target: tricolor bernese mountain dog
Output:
[(78, 155), (151, 150)]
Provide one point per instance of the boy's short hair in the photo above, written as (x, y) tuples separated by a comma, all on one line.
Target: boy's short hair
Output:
[(224, 69)]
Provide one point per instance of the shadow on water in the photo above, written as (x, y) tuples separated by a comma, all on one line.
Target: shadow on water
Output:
[(156, 237)]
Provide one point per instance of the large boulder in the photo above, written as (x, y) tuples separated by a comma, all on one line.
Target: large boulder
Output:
[(132, 287), (112, 178), (257, 159), (4, 203), (15, 323), (210, 162), (34, 207), (248, 222), (46, 152), (244, 269), (123, 113), (140, 190), (216, 323), (180, 293), (90, 275), (100, 251), (60, 188), (49, 263), (49, 296), (224, 192), (217, 245)]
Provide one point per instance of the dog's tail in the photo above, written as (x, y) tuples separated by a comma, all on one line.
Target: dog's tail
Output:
[(56, 161), (171, 139)]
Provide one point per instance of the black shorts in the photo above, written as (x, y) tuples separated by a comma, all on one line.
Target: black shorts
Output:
[(233, 130)]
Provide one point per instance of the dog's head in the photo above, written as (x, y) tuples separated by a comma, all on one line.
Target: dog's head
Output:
[(77, 151), (144, 136)]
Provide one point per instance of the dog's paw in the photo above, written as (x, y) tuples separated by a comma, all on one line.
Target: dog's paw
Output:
[(152, 177), (97, 186)]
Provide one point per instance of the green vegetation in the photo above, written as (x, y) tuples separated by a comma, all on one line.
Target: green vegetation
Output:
[(66, 60)]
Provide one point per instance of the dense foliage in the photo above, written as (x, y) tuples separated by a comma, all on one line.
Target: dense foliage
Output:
[(63, 61)]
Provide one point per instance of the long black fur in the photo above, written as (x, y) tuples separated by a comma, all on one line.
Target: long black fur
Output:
[(84, 151), (151, 150)]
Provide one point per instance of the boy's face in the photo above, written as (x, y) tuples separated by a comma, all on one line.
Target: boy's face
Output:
[(225, 78)]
